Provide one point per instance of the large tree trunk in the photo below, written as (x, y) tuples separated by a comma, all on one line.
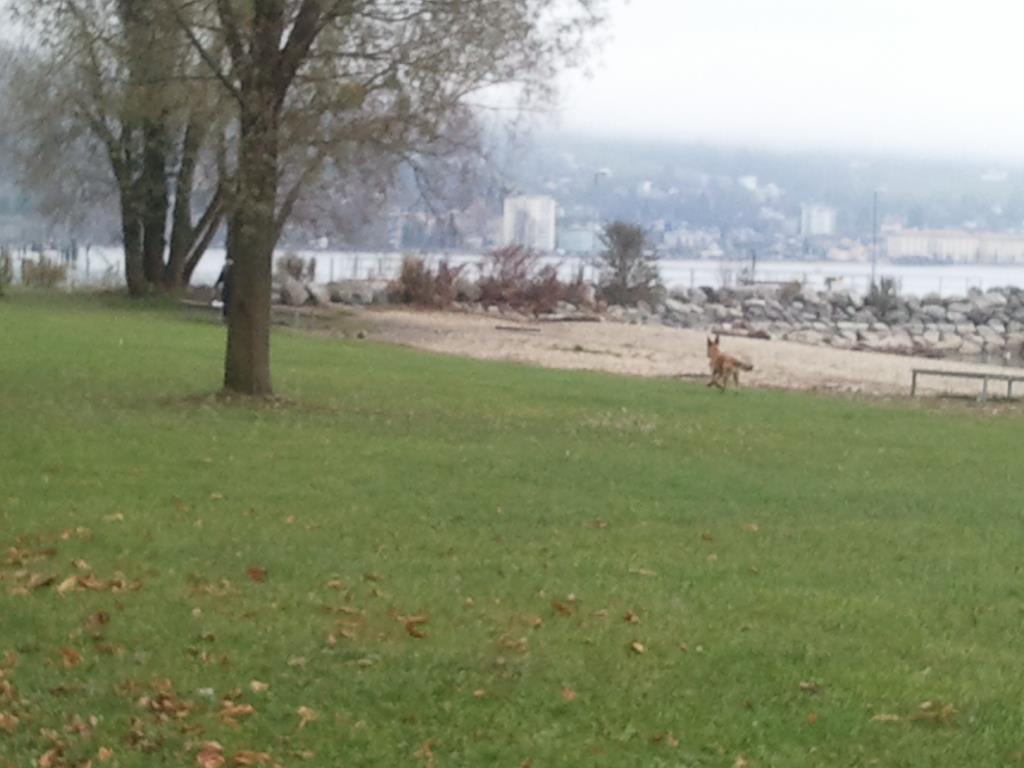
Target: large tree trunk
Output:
[(251, 238), (154, 199), (131, 235)]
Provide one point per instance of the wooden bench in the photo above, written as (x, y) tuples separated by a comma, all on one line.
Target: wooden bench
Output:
[(985, 378)]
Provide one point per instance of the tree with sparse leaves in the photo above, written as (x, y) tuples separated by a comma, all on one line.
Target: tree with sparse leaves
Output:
[(333, 79), (628, 267), (114, 83)]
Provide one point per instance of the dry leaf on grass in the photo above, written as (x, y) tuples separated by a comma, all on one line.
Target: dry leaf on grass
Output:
[(70, 658), (752, 527), (707, 536), (257, 687), (50, 758), (104, 754), (631, 618), (8, 722), (306, 716), (666, 738), (412, 625), (568, 694), (211, 755), (810, 687), (812, 718), (637, 647), (70, 584), (256, 573)]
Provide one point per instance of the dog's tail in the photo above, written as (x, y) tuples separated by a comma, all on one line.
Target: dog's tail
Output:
[(744, 366)]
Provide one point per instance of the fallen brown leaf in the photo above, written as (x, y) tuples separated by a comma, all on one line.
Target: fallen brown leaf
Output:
[(104, 754), (70, 657), (752, 527), (49, 758), (637, 647), (8, 722), (256, 573), (297, 661), (257, 687), (568, 694), (211, 755), (812, 718), (335, 584), (631, 618), (741, 762), (707, 536), (306, 716), (479, 693), (70, 584), (810, 687), (561, 608), (667, 738), (412, 624)]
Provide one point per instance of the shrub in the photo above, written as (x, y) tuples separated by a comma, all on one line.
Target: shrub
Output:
[(6, 269), (629, 270), (417, 284), (883, 296), (789, 291), (507, 276), (45, 273)]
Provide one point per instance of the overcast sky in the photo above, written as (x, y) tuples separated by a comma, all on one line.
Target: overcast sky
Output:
[(937, 77)]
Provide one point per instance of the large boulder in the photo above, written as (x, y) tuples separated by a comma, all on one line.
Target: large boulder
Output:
[(318, 294), (293, 292)]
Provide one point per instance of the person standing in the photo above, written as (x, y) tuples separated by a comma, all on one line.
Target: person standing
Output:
[(223, 283)]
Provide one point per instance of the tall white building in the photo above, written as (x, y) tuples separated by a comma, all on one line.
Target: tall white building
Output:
[(957, 246), (530, 221), (817, 220)]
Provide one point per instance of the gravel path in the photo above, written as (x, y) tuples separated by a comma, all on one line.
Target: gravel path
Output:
[(658, 351)]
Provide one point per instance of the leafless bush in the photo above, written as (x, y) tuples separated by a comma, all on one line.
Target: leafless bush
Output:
[(418, 284), (507, 275), (45, 273)]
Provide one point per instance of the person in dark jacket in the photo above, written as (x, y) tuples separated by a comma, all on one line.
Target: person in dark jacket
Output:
[(224, 285)]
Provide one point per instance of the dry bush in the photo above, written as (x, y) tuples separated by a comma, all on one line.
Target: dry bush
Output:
[(507, 276), (417, 284), (45, 273)]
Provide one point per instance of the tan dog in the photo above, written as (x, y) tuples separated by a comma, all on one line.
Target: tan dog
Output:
[(723, 367)]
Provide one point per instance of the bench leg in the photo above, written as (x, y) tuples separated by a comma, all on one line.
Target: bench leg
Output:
[(913, 383), (984, 389)]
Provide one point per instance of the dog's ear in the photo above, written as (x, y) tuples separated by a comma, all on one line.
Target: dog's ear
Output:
[(716, 338), (710, 342)]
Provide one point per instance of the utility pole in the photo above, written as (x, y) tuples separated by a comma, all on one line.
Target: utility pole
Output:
[(874, 236)]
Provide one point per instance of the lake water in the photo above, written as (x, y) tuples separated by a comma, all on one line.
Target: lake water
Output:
[(947, 280)]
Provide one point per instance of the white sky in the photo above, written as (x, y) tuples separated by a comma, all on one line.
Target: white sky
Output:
[(943, 77)]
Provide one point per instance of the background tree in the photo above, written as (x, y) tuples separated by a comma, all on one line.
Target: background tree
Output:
[(326, 76), (113, 79), (628, 268)]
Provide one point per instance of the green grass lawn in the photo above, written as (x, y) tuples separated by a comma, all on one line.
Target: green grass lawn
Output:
[(548, 526)]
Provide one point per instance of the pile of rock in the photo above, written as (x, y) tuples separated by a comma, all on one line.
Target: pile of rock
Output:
[(981, 322), (293, 292)]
